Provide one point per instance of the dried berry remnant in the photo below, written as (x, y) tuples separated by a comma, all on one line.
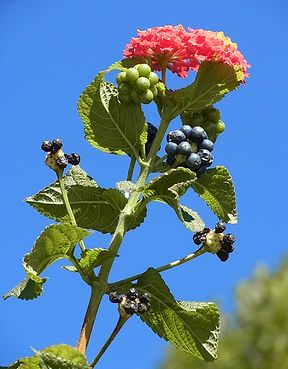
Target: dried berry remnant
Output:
[(56, 159), (216, 241), (132, 302)]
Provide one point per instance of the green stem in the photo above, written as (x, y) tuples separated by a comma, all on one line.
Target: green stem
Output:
[(131, 169), (117, 240), (116, 330), (162, 268), (67, 204), (143, 152)]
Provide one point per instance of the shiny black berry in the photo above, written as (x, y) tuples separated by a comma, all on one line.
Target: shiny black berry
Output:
[(132, 294), (201, 171), (220, 227), (151, 134), (115, 297), (222, 255), (170, 160), (73, 158), (229, 239), (187, 130), (62, 162), (206, 144), (184, 148), (200, 237), (47, 146), (193, 161), (176, 136), (145, 298), (206, 157), (198, 134), (228, 248), (130, 307), (172, 148), (56, 144)]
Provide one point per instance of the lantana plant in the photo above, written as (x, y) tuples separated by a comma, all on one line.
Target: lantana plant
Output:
[(114, 123)]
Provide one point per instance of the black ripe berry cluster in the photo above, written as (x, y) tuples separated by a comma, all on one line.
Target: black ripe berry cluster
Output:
[(189, 147), (216, 240), (56, 156), (132, 302), (209, 119), (137, 84)]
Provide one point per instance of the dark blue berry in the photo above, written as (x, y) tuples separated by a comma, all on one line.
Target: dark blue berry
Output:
[(132, 294), (184, 148), (200, 237), (222, 255), (206, 144), (206, 157), (228, 248), (170, 160), (220, 227), (176, 136), (193, 161), (56, 144), (187, 130), (47, 146), (198, 134), (171, 148)]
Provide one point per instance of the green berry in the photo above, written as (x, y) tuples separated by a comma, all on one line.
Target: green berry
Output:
[(132, 75), (154, 90), (144, 70), (220, 126), (124, 88), (146, 97), (121, 77), (153, 78), (142, 83)]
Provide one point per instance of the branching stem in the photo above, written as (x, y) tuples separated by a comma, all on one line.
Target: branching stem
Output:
[(162, 268), (116, 330)]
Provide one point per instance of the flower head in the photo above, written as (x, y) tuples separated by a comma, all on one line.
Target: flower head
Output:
[(165, 47), (179, 50), (209, 45)]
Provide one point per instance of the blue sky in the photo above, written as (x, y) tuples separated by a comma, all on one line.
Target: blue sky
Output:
[(49, 52)]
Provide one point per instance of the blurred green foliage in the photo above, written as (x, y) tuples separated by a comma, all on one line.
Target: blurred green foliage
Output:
[(256, 336)]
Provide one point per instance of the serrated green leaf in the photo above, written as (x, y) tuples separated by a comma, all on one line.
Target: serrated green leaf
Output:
[(191, 327), (93, 207), (55, 242), (109, 125), (92, 258), (26, 363), (28, 289), (69, 353), (168, 188), (216, 188), (213, 81)]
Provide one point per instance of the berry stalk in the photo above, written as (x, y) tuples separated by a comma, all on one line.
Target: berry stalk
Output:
[(163, 268), (67, 204), (121, 321)]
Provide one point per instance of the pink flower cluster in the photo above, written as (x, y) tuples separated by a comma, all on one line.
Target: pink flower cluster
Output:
[(179, 50)]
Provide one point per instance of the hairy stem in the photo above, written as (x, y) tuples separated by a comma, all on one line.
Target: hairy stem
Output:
[(116, 241), (116, 330), (162, 268), (67, 204)]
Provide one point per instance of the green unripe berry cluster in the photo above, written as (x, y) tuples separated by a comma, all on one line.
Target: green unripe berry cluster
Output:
[(209, 119), (137, 84)]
